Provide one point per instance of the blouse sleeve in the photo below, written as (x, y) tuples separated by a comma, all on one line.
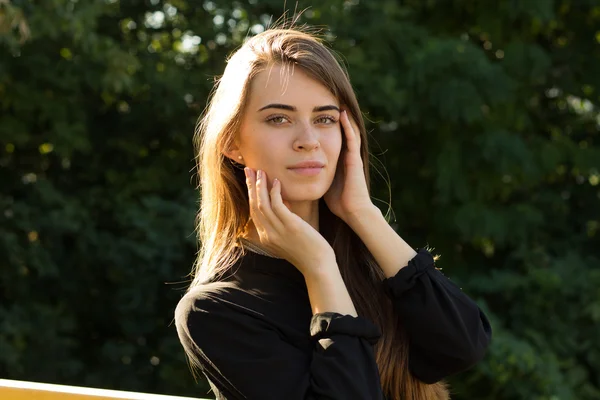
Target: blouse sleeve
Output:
[(447, 331), (246, 358)]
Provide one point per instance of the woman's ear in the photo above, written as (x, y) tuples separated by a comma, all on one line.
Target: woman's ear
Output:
[(235, 155)]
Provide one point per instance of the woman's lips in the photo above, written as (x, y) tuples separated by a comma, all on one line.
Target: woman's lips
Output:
[(306, 171)]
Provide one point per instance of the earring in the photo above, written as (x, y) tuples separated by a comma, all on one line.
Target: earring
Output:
[(240, 157)]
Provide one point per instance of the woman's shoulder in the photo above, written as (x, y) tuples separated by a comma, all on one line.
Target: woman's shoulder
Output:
[(219, 302), (202, 307), (206, 298), (207, 314)]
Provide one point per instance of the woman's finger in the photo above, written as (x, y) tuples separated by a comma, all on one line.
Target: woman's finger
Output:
[(270, 220), (352, 132), (251, 184), (280, 209)]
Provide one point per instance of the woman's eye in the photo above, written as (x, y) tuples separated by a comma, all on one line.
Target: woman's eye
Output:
[(277, 119), (327, 119)]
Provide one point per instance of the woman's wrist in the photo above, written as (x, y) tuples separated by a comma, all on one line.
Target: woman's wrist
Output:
[(327, 291), (322, 266)]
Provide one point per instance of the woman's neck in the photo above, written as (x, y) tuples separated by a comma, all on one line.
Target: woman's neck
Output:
[(308, 211)]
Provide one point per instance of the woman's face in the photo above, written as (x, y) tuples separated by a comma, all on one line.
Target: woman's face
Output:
[(288, 120)]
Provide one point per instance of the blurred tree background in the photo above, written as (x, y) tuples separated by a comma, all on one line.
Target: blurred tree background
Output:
[(484, 114)]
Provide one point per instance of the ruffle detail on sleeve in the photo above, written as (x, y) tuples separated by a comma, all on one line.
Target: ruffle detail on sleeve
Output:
[(327, 324), (408, 276)]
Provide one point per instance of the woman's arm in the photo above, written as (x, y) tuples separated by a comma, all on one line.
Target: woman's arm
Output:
[(327, 291), (448, 333), (390, 251), (246, 357)]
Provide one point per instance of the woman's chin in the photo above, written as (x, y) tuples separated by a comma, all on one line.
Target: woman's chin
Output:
[(304, 196)]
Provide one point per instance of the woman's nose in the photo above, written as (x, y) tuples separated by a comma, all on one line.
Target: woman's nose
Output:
[(307, 138)]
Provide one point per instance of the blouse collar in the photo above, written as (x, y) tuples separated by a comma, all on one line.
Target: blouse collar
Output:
[(271, 266)]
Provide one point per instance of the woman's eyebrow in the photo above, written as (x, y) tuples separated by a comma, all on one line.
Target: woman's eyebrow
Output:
[(292, 108)]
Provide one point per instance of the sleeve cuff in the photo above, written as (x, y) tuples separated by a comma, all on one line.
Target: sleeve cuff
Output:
[(327, 324), (408, 276)]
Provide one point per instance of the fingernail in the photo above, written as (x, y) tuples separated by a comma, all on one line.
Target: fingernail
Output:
[(247, 172), (259, 174)]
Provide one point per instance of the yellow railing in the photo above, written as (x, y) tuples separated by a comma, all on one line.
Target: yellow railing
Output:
[(21, 390)]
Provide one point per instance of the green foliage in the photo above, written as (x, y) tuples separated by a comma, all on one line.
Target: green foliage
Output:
[(490, 110)]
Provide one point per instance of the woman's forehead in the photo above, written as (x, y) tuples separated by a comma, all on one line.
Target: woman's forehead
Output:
[(287, 85)]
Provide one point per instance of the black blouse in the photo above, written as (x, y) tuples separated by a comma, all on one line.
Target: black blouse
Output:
[(256, 337)]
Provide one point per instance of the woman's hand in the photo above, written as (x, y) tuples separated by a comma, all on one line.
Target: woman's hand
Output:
[(282, 232), (348, 194)]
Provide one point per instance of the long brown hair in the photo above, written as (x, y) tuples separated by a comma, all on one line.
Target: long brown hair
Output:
[(224, 209)]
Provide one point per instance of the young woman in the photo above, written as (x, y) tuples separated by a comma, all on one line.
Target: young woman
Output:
[(301, 289)]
